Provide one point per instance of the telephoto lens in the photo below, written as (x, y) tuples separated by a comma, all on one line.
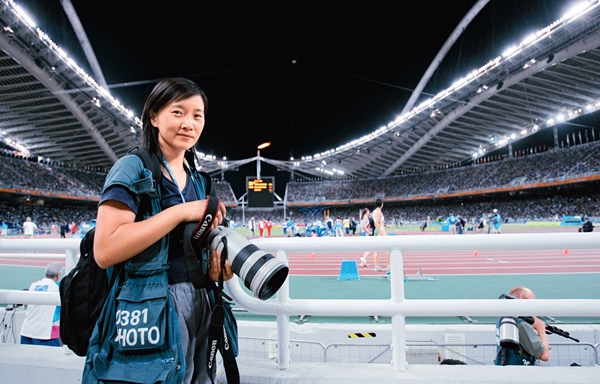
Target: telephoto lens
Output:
[(261, 272), (509, 333)]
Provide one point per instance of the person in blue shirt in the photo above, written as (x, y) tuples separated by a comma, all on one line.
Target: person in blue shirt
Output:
[(291, 231), (452, 220), (338, 227), (496, 222)]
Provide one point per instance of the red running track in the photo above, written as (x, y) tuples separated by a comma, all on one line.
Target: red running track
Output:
[(430, 263), (457, 262)]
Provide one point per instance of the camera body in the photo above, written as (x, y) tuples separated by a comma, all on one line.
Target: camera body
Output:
[(261, 272)]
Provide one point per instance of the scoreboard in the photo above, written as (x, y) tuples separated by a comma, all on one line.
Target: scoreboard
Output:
[(260, 192)]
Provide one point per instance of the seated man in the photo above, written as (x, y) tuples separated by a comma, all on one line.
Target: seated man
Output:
[(587, 225)]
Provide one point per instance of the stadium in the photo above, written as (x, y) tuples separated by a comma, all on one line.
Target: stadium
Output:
[(519, 135)]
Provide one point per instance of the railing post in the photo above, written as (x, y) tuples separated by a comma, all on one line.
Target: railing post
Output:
[(70, 260), (283, 321), (398, 321)]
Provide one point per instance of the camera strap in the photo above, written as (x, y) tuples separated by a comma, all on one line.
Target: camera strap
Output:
[(193, 234), (203, 227), (217, 330), (192, 260)]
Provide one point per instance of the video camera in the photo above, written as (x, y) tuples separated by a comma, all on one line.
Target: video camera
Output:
[(509, 332)]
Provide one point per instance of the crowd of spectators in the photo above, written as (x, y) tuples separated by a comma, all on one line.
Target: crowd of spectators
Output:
[(224, 191), (513, 209), (551, 166), (554, 166), (19, 174)]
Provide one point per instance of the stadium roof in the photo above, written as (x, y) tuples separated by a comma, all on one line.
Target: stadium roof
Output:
[(54, 109)]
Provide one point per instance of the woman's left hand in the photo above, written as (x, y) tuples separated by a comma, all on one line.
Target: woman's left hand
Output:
[(215, 267)]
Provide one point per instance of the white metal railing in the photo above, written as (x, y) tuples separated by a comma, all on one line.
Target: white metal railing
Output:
[(397, 307), (42, 248)]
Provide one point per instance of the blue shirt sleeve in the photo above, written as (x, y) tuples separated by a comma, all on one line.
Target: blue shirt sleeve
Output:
[(120, 194)]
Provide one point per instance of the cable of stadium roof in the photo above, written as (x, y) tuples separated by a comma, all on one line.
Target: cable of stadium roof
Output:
[(577, 11)]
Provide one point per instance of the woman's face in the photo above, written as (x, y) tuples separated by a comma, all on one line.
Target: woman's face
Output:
[(179, 124)]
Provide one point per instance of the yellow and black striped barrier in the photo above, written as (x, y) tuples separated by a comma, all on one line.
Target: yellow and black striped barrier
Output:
[(361, 335)]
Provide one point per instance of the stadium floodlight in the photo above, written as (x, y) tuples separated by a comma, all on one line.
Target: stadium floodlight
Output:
[(23, 15), (576, 10), (530, 39), (510, 51)]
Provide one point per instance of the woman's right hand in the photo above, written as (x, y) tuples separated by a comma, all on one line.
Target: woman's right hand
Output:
[(195, 211)]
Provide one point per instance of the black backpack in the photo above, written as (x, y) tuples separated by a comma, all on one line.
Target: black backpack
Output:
[(85, 289), (82, 295)]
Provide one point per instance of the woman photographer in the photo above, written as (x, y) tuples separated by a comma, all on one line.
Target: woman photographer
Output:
[(173, 120)]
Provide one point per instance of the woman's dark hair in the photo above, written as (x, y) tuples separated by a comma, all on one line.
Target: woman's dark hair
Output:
[(363, 212), (163, 94)]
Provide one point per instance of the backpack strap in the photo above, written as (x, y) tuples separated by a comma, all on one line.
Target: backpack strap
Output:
[(150, 162)]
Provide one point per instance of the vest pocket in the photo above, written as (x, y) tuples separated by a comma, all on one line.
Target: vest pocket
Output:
[(141, 316)]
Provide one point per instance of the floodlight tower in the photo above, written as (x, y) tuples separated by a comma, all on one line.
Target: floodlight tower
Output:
[(262, 146)]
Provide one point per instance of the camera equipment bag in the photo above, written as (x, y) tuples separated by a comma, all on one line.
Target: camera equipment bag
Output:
[(84, 290)]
